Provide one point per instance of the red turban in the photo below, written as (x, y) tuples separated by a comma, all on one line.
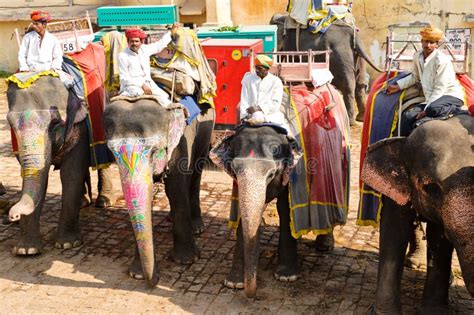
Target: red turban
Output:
[(135, 33), (40, 16)]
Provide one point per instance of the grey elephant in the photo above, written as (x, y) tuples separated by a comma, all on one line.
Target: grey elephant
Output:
[(151, 142), (261, 160), (431, 171), (345, 60), (49, 132)]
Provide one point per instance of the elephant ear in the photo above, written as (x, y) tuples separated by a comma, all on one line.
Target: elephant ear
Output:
[(166, 146), (62, 126), (221, 156), (385, 170), (295, 154)]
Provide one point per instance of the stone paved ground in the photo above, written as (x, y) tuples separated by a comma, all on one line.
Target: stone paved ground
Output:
[(93, 278)]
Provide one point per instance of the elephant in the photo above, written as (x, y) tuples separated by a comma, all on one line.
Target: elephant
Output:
[(431, 172), (260, 160), (48, 132), (346, 58), (151, 143)]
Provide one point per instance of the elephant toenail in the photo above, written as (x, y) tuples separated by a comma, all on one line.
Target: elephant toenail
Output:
[(32, 251)]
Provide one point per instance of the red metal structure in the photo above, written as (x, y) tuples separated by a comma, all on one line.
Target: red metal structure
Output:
[(230, 59)]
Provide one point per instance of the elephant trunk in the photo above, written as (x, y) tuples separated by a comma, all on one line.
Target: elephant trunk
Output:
[(135, 170), (458, 219), (252, 193), (34, 148)]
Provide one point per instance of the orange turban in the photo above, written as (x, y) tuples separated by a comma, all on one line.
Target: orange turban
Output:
[(135, 33), (431, 34), (264, 61), (40, 16)]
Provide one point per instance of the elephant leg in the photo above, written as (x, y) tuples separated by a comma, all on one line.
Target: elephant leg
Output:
[(195, 187), (324, 242), (198, 225), (416, 256), (395, 225), (346, 84), (201, 151), (30, 242), (440, 252), (136, 271), (360, 98), (86, 191), (235, 278), (288, 267), (73, 173), (177, 188), (106, 197)]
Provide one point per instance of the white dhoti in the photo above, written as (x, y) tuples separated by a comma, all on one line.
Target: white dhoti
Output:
[(134, 91)]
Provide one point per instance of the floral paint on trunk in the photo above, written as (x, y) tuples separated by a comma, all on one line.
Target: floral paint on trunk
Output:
[(30, 129), (133, 156)]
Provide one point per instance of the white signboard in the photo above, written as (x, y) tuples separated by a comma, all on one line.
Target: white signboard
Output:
[(457, 36)]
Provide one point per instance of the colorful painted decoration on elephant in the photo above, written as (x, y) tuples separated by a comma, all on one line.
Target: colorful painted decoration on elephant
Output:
[(30, 128), (133, 159)]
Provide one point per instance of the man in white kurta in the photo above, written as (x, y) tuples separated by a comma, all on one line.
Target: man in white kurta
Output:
[(39, 49), (435, 71), (261, 95), (134, 66)]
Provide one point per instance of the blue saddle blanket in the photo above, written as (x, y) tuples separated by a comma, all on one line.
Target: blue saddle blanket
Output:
[(190, 102)]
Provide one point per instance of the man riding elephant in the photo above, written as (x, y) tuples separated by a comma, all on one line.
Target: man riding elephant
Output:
[(304, 27), (261, 95), (434, 71), (424, 175), (134, 65), (154, 139), (39, 49), (52, 125)]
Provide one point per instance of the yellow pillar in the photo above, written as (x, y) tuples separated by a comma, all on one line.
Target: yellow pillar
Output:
[(218, 12)]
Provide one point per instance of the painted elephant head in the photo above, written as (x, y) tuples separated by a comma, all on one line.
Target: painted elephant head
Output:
[(142, 136), (434, 170), (260, 159), (45, 130)]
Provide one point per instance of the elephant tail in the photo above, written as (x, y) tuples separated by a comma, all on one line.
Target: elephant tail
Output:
[(360, 51)]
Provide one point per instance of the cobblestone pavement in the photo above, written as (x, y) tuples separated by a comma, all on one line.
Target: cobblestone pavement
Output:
[(93, 278)]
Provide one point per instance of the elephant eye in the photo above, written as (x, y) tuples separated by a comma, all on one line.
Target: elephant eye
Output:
[(274, 148)]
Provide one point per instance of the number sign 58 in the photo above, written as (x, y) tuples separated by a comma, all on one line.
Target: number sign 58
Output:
[(69, 47)]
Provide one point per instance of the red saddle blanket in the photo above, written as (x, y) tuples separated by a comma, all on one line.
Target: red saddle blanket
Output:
[(319, 182)]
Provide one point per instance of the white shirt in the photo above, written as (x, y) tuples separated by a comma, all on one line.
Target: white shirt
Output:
[(266, 93), (134, 68), (40, 55), (436, 75)]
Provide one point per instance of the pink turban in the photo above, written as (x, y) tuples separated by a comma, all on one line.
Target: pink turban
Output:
[(40, 16), (135, 33)]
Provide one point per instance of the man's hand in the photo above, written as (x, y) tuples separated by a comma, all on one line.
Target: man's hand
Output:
[(174, 28), (421, 115), (146, 89), (393, 88), (253, 109)]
